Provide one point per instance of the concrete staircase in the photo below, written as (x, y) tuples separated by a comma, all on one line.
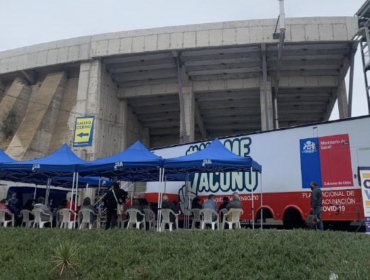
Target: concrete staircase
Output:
[(33, 136)]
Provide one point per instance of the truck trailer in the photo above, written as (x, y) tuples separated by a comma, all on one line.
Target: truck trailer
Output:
[(329, 153)]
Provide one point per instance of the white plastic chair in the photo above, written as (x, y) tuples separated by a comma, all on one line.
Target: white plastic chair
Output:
[(65, 222), (38, 221), (223, 218), (167, 221), (121, 221), (85, 215), (234, 215), (207, 218), (3, 221), (133, 218), (26, 218), (196, 217), (150, 218)]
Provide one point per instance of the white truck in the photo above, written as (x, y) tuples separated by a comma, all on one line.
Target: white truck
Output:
[(329, 153)]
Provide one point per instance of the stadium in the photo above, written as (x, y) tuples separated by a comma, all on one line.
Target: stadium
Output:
[(174, 85)]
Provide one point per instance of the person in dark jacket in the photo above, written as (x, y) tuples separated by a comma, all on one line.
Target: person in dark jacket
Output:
[(14, 204), (195, 204), (235, 203), (225, 202), (29, 205), (316, 204), (111, 202)]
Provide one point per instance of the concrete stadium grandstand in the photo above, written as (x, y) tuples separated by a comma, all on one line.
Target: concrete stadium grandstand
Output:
[(174, 85)]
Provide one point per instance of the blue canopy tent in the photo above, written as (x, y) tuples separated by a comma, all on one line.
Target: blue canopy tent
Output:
[(63, 162), (91, 181), (214, 158), (136, 164), (4, 159)]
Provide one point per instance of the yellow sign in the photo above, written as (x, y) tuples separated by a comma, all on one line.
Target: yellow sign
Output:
[(84, 130)]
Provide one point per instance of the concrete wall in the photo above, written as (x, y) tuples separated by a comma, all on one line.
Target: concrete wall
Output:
[(12, 110), (109, 121), (64, 125), (32, 139), (161, 141), (116, 127), (42, 139), (180, 37)]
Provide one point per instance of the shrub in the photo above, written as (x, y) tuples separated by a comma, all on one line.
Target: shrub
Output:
[(65, 257), (230, 254)]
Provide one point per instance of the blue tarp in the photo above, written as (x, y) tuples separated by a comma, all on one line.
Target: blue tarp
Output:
[(214, 158), (62, 161), (4, 158), (136, 163), (82, 181)]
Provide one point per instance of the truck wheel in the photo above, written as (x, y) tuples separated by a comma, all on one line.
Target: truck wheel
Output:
[(292, 219)]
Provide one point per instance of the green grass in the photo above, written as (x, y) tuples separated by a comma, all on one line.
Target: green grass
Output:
[(241, 254)]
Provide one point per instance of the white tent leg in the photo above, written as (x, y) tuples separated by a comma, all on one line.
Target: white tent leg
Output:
[(99, 187), (34, 194), (71, 199), (252, 201), (159, 199), (187, 218), (76, 200), (261, 202), (47, 191)]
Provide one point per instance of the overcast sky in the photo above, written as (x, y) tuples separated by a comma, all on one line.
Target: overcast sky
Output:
[(26, 22)]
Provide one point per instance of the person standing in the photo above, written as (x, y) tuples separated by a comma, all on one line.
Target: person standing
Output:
[(316, 204), (115, 196)]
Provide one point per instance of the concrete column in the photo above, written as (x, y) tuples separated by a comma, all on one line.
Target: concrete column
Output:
[(33, 136), (188, 114), (13, 107), (88, 102), (145, 137), (342, 100), (267, 118), (2, 90), (89, 88), (62, 132)]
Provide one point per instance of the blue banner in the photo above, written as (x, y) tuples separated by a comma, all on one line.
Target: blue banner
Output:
[(310, 162)]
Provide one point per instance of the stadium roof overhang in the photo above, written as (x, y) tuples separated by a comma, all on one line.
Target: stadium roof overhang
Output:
[(226, 82)]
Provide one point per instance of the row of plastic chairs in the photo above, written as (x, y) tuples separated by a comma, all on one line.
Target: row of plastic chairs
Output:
[(148, 217), (202, 216), (64, 222), (206, 217)]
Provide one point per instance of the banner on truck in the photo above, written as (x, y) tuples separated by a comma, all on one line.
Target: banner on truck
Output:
[(327, 161), (365, 189)]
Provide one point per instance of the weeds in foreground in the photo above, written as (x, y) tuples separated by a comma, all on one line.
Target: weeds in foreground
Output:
[(65, 257)]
